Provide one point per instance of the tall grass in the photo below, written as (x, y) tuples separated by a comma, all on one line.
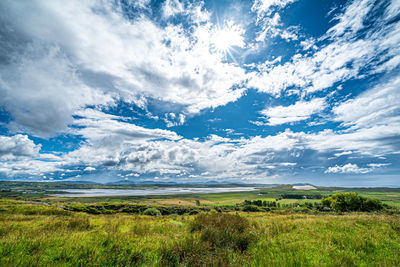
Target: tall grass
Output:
[(34, 235)]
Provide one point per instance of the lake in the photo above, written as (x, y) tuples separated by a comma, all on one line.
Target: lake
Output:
[(148, 191)]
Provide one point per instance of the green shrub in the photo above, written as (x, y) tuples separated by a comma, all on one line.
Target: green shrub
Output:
[(351, 201), (152, 212), (251, 208), (371, 204)]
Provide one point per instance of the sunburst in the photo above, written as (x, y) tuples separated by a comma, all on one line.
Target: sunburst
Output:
[(224, 39)]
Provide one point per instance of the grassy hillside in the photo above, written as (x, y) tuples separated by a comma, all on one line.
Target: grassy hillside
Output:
[(34, 234)]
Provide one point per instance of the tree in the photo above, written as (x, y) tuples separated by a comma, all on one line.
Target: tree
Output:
[(351, 201)]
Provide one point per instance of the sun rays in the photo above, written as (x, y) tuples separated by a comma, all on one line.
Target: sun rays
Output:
[(225, 38)]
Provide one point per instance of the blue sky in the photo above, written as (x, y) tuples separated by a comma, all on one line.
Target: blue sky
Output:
[(263, 91)]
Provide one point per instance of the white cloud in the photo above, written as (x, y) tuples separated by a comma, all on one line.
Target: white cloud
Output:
[(91, 54), (348, 168), (140, 3), (41, 90), (97, 126), (270, 22), (21, 156), (288, 163), (262, 7), (342, 54), (378, 165), (28, 168), (343, 153), (172, 7), (353, 168), (17, 146), (352, 20), (378, 106), (301, 110)]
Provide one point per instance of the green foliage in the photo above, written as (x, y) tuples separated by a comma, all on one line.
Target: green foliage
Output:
[(113, 208), (251, 208), (351, 201), (301, 196), (152, 212)]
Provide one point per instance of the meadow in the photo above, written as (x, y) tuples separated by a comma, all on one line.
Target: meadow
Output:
[(37, 230)]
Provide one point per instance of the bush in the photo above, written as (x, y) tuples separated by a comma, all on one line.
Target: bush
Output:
[(152, 212), (251, 208), (351, 201)]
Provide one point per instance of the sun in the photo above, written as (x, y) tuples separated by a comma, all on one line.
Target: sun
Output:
[(227, 37)]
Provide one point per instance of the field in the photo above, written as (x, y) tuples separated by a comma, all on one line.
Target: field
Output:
[(37, 230)]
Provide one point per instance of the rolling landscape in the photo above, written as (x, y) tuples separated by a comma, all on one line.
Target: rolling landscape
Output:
[(282, 225), (200, 133)]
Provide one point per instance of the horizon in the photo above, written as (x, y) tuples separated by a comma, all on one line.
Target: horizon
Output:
[(252, 92), (193, 184)]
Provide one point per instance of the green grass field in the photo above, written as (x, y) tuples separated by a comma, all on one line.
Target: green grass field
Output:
[(38, 230), (38, 235)]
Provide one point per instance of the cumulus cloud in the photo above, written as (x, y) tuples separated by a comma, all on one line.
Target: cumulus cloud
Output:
[(40, 89), (96, 126), (29, 168), (14, 147), (71, 75), (21, 156), (112, 144), (301, 110), (347, 168), (353, 168), (91, 55)]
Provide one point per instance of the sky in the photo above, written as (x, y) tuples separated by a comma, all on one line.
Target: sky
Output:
[(262, 91)]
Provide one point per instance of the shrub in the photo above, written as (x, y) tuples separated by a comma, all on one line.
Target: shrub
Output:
[(371, 204), (351, 201), (152, 212), (251, 208)]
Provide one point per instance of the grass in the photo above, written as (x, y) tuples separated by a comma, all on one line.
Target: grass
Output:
[(38, 230), (40, 235)]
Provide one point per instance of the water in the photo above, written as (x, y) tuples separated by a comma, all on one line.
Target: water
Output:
[(148, 191)]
